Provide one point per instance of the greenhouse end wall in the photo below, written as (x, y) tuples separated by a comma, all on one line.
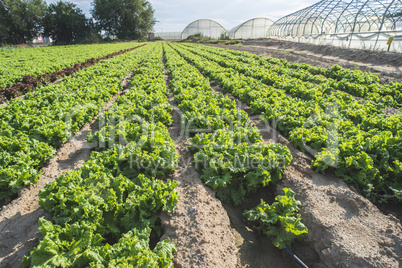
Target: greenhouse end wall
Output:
[(207, 28)]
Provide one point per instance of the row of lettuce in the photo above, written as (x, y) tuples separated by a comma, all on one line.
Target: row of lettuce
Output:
[(105, 213), (20, 62), (229, 153), (360, 84), (30, 83), (355, 138), (33, 128)]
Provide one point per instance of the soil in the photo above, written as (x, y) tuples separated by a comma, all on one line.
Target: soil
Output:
[(19, 219), (391, 111)]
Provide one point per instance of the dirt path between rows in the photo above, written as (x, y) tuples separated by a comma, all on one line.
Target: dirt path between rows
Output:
[(345, 229), (199, 224), (387, 64), (19, 219)]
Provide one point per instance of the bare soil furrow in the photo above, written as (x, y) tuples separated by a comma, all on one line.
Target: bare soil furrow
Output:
[(199, 225)]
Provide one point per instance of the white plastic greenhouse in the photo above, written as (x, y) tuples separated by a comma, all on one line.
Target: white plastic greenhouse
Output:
[(367, 24), (251, 29), (207, 28), (169, 35)]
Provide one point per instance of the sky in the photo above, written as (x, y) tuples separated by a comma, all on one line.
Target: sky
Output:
[(175, 15)]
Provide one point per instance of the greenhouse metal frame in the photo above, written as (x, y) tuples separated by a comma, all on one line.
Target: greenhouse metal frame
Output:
[(354, 23)]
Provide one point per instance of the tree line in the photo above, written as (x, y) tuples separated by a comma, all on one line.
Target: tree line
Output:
[(65, 23)]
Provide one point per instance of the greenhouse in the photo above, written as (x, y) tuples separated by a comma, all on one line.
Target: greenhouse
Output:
[(367, 24), (169, 35), (207, 28), (251, 29)]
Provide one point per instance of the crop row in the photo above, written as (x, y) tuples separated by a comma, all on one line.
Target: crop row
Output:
[(29, 83), (354, 82), (368, 116), (17, 63), (229, 153), (105, 213), (34, 127), (362, 145), (336, 72)]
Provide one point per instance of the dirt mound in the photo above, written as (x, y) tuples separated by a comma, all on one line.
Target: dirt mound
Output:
[(345, 229)]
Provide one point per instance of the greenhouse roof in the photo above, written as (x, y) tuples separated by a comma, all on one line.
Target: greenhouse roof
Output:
[(253, 28), (340, 16)]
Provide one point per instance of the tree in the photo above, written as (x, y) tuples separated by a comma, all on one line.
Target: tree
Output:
[(125, 19), (3, 23), (65, 22), (20, 20)]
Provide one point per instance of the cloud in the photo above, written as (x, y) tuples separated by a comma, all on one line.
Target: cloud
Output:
[(175, 15)]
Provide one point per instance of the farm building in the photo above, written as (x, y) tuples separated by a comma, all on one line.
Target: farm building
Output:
[(207, 28), (42, 39), (349, 24), (251, 29)]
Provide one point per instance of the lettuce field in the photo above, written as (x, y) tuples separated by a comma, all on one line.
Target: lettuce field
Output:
[(118, 205)]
